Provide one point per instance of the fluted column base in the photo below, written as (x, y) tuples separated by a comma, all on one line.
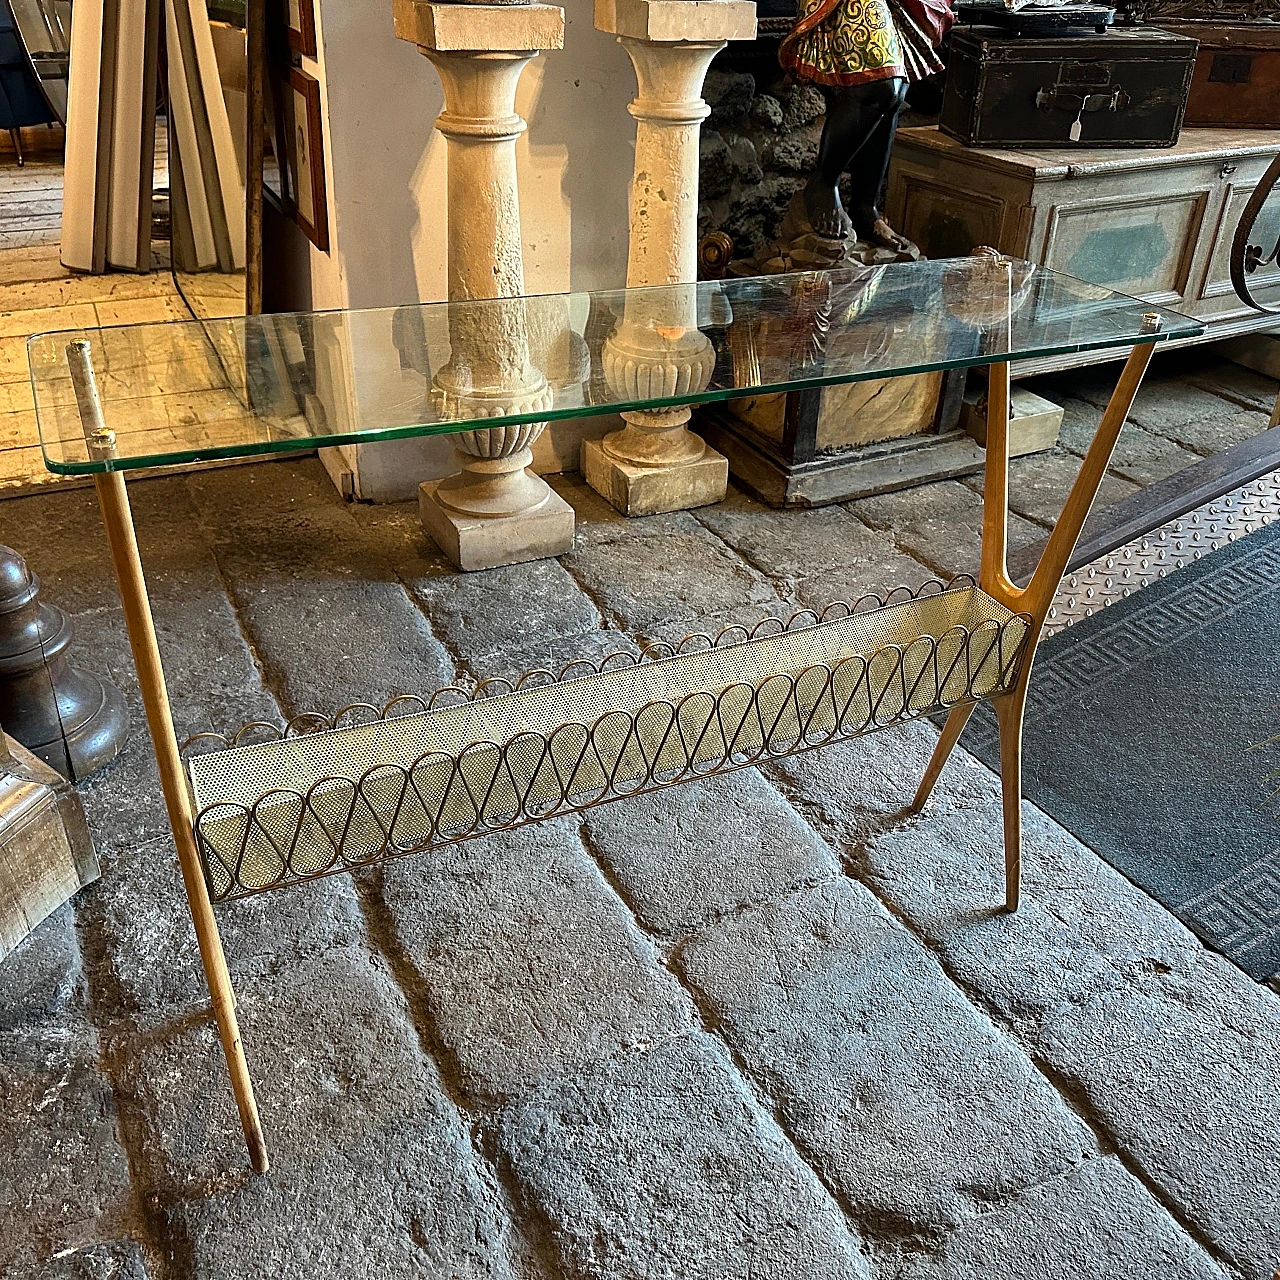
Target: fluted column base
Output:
[(496, 511)]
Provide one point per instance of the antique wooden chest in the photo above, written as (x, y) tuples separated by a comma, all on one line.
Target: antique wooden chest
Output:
[(1121, 89), (1237, 76), (1155, 223)]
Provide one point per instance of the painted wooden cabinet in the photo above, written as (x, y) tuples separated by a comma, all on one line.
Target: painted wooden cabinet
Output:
[(1155, 223)]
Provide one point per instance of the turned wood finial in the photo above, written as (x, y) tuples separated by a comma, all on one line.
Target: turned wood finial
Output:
[(72, 719)]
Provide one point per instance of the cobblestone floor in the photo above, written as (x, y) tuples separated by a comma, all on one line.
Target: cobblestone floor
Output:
[(767, 1026)]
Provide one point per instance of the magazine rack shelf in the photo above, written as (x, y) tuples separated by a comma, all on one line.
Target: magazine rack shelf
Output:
[(275, 806), (307, 804)]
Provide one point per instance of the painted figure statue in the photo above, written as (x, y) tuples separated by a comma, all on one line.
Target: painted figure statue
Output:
[(863, 53)]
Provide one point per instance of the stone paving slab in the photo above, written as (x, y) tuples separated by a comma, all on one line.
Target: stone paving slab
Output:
[(939, 524), (919, 1121), (1203, 435), (1169, 1050), (528, 962), (1039, 484), (43, 976), (794, 544), (482, 618), (64, 1179), (686, 856), (661, 1166), (123, 803), (555, 654), (814, 557), (668, 569), (373, 1170), (1177, 400), (1140, 456), (143, 957), (1236, 383), (1095, 1223), (330, 621), (851, 582)]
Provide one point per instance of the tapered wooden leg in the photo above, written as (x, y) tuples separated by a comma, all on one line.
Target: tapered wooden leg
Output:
[(1009, 711), (1036, 598), (951, 731), (118, 520)]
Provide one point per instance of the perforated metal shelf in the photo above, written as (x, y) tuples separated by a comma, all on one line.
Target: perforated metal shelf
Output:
[(307, 805)]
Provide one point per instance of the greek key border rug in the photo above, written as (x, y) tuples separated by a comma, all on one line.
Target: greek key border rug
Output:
[(1146, 737)]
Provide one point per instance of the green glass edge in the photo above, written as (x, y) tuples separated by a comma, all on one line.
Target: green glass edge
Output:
[(101, 466)]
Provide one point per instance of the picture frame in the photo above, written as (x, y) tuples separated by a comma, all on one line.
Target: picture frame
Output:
[(300, 25), (305, 191)]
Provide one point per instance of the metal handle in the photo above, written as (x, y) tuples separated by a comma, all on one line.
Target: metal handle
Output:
[(1061, 99)]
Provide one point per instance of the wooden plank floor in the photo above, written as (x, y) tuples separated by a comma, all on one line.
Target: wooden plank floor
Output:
[(37, 293)]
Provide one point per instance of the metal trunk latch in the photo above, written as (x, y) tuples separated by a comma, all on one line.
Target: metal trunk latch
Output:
[(1061, 99)]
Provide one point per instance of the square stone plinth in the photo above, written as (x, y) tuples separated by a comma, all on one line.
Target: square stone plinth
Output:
[(485, 542), (460, 28), (668, 20), (649, 491)]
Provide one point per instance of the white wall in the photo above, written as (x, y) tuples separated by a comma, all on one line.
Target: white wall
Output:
[(386, 161), (385, 168)]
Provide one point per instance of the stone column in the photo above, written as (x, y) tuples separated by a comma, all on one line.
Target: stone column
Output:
[(494, 511), (655, 463)]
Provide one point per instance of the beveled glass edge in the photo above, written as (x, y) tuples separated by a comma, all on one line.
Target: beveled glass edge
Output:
[(181, 457)]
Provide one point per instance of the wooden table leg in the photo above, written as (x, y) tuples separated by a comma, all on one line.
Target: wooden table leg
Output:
[(1036, 598), (118, 519)]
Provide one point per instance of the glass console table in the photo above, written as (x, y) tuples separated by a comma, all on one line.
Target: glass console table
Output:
[(284, 805)]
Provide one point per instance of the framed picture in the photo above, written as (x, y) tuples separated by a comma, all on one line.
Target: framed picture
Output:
[(300, 22), (306, 201)]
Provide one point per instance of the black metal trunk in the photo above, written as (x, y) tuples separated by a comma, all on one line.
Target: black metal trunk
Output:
[(1121, 89)]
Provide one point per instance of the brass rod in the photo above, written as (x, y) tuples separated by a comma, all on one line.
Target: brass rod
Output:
[(993, 575), (1036, 598), (117, 519), (1044, 584)]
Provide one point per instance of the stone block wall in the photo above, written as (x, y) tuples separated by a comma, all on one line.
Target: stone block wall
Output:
[(758, 147), (760, 143)]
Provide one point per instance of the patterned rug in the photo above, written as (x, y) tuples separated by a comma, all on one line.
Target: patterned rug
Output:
[(1146, 737)]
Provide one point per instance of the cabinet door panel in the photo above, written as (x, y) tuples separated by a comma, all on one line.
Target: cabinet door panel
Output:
[(947, 222), (1143, 245), (1264, 283)]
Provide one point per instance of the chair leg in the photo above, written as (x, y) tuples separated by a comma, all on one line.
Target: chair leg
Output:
[(16, 135), (1009, 711), (951, 731)]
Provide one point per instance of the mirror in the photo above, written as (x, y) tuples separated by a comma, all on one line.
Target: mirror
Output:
[(44, 29)]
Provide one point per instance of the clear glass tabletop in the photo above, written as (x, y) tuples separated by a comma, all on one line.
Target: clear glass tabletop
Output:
[(187, 391)]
